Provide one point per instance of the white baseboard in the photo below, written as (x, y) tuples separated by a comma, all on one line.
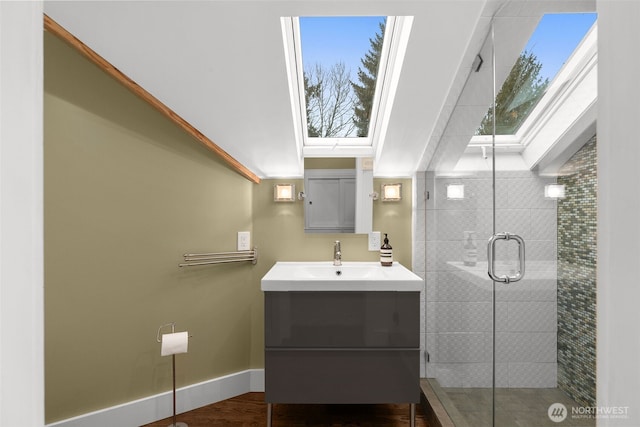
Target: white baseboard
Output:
[(153, 408)]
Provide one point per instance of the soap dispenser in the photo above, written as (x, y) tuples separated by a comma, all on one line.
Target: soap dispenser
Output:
[(386, 253)]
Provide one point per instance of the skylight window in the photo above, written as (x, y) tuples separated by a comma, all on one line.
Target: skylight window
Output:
[(340, 59), (553, 42), (343, 73)]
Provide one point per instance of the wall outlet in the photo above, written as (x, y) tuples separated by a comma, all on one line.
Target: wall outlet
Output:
[(374, 241), (244, 240)]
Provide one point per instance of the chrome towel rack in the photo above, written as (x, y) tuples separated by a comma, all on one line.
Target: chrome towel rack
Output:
[(191, 260)]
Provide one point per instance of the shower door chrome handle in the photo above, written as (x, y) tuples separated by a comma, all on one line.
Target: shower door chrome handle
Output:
[(491, 247)]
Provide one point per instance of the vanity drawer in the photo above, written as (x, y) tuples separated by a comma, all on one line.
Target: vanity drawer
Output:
[(342, 319), (342, 376)]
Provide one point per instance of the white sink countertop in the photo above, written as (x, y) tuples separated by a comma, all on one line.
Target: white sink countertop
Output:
[(350, 276)]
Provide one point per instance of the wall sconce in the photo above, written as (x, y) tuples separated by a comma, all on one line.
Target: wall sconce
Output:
[(455, 191), (554, 191), (391, 192), (284, 192)]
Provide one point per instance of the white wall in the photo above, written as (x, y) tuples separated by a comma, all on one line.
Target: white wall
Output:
[(21, 218), (618, 306)]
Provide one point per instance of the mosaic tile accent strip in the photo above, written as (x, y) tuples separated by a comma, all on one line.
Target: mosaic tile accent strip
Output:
[(577, 226)]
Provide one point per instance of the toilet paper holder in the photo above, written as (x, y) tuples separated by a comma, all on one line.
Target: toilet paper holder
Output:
[(173, 369), (173, 330)]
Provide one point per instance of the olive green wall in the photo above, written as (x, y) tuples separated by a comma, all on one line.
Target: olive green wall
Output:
[(278, 232), (126, 194), (330, 163)]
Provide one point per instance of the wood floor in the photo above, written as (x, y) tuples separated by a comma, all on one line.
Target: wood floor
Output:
[(250, 410)]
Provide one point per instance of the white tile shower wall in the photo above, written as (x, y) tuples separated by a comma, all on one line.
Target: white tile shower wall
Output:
[(457, 306)]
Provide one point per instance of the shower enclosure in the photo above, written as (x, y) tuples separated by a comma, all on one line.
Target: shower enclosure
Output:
[(506, 242)]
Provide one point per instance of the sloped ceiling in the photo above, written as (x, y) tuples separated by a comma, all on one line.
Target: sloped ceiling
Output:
[(221, 66)]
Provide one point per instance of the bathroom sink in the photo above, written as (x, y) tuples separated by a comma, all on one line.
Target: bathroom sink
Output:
[(350, 276)]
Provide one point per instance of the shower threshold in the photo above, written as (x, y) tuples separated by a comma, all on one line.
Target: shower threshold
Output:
[(522, 407)]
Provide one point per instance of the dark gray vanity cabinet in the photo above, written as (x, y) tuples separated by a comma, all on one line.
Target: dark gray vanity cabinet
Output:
[(342, 347)]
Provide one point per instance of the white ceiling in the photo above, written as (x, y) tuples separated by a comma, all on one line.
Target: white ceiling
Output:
[(221, 66)]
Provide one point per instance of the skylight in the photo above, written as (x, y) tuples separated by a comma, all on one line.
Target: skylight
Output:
[(343, 72), (552, 44), (340, 59)]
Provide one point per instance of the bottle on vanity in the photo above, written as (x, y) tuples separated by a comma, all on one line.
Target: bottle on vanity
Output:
[(386, 253)]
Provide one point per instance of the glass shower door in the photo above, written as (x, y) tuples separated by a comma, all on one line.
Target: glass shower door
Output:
[(544, 324), (525, 317), (541, 257)]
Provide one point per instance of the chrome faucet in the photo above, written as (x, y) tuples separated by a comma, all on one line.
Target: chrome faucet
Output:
[(337, 254)]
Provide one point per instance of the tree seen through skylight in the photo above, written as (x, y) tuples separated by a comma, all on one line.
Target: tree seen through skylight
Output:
[(338, 102)]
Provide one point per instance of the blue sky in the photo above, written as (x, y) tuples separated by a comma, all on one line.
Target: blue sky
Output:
[(332, 39), (556, 37), (329, 40)]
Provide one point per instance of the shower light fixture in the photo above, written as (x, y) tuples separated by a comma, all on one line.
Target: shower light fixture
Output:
[(554, 191), (455, 191), (284, 192)]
